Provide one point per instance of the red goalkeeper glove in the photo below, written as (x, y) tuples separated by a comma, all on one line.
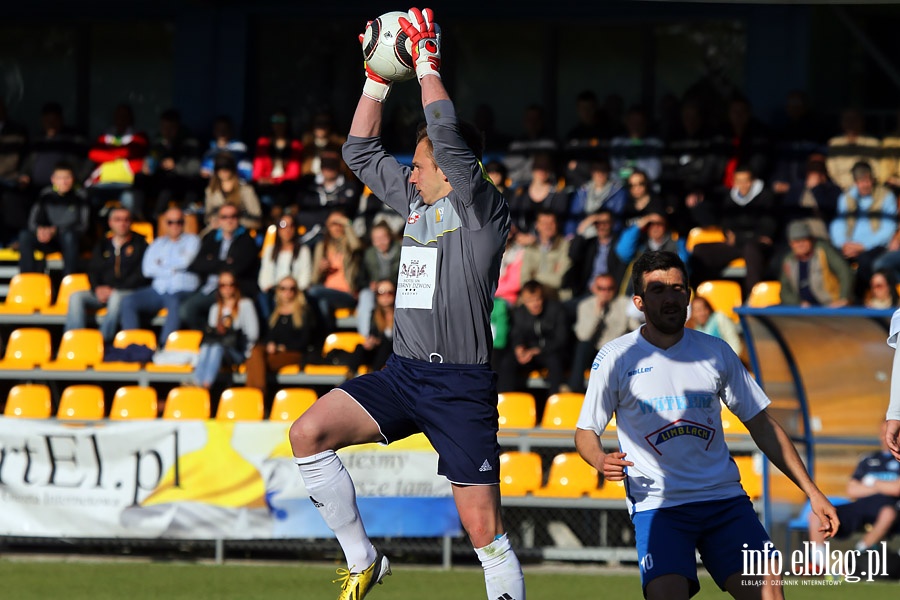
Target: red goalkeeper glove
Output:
[(425, 36)]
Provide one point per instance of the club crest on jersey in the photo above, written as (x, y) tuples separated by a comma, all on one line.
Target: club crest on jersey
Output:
[(677, 429), (412, 219)]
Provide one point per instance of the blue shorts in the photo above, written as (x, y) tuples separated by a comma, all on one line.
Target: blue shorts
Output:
[(667, 538), (455, 406)]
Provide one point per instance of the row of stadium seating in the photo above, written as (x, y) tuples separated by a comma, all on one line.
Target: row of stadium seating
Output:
[(85, 402)]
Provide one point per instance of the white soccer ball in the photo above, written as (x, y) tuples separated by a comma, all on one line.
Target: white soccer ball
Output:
[(387, 50)]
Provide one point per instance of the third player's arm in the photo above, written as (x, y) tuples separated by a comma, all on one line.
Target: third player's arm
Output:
[(777, 446)]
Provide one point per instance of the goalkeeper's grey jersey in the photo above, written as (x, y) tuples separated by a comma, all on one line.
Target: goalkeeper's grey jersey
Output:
[(450, 257)]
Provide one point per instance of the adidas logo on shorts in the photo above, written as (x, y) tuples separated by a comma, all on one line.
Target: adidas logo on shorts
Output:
[(486, 466)]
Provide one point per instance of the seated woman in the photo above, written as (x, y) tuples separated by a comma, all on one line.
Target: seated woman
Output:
[(378, 346), (288, 337), (225, 187), (705, 319), (882, 291), (336, 260), (287, 257), (231, 332)]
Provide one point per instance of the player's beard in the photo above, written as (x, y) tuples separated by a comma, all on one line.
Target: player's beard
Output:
[(668, 323)]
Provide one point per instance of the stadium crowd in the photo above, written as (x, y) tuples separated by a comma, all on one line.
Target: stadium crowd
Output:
[(811, 206)]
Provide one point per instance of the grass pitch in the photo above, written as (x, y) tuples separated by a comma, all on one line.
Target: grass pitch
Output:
[(31, 579)]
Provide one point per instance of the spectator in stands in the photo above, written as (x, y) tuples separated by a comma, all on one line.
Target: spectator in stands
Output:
[(500, 315), (748, 218), (535, 138), (117, 155), (874, 488), (277, 164), (637, 150), (882, 292), (320, 136), (336, 260), (538, 194), (746, 142), (379, 343), (228, 247), (225, 187), (797, 140), (287, 256), (814, 273), (847, 150), (712, 322), (165, 264), (815, 200), (641, 199), (57, 222), (114, 272), (231, 331), (58, 143), (539, 339), (287, 338), (510, 282), (499, 174), (223, 140), (650, 232), (592, 252), (865, 226), (171, 173), (600, 318), (588, 137), (547, 259), (380, 262), (599, 192), (325, 192)]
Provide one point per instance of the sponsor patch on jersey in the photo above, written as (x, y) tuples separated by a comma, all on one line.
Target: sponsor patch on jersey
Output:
[(438, 215), (679, 429), (413, 218), (634, 372)]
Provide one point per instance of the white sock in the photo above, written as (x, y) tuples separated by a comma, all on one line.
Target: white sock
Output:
[(331, 491), (502, 571)]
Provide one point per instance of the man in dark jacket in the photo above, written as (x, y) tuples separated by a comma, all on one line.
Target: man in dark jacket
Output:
[(592, 252), (114, 273), (539, 337), (229, 247), (57, 221)]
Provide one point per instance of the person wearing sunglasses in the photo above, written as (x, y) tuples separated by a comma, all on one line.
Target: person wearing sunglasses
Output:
[(288, 256), (230, 333)]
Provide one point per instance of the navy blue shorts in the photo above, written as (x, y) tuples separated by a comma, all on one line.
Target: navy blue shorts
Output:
[(856, 515), (455, 406), (667, 539)]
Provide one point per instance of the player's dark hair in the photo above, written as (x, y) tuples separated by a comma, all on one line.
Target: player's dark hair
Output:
[(471, 135), (654, 260), (532, 286), (64, 166)]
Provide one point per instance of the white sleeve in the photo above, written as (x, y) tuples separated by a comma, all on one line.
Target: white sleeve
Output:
[(894, 330), (893, 411), (742, 395), (602, 395)]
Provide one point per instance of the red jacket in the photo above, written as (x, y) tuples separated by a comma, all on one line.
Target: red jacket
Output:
[(263, 162)]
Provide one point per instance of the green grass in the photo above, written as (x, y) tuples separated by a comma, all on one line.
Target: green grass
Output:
[(29, 579)]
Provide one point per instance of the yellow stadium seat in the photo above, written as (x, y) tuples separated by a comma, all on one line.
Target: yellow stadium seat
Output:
[(145, 229), (569, 477), (610, 490), (765, 293), (182, 340), (79, 349), (76, 282), (26, 348), (342, 340), (81, 402), (751, 479), (342, 370), (723, 295), (141, 337), (731, 424), (290, 403), (28, 401), (187, 402), (517, 410), (268, 239), (344, 313), (134, 402), (240, 404), (562, 410), (704, 235), (28, 293), (520, 473)]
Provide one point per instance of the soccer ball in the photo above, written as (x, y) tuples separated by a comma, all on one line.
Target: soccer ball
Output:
[(387, 50)]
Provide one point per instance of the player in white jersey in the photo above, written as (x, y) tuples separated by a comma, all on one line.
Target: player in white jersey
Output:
[(892, 419), (664, 384)]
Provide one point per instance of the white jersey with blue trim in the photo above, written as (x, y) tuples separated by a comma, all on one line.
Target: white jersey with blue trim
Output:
[(893, 411), (451, 250), (667, 405)]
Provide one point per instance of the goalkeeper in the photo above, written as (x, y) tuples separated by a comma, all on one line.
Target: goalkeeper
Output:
[(438, 381)]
